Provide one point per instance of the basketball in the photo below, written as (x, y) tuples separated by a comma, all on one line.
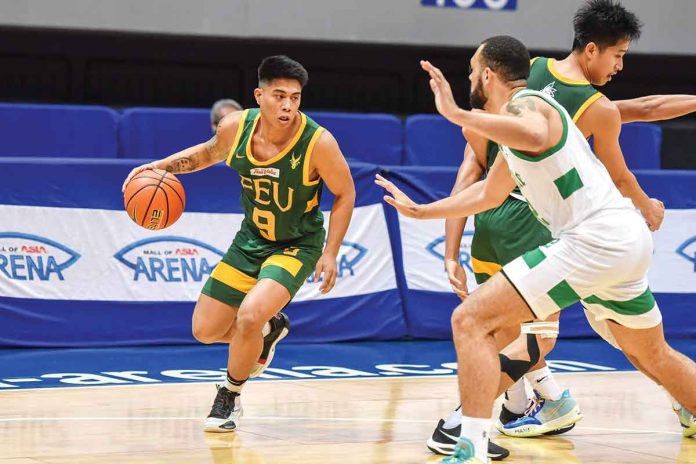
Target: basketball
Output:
[(154, 199)]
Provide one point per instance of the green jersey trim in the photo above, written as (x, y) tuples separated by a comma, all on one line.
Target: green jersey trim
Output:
[(237, 136), (564, 136), (283, 152), (566, 80)]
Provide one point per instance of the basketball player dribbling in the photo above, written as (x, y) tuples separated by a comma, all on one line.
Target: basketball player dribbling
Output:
[(283, 159)]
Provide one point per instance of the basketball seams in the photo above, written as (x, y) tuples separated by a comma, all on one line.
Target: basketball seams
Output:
[(152, 198), (137, 197)]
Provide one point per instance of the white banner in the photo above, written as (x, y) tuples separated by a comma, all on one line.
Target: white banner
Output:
[(89, 254), (423, 244), (673, 269)]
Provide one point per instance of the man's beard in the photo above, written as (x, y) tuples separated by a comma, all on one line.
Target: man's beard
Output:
[(476, 97)]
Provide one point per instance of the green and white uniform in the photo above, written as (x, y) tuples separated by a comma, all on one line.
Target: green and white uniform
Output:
[(601, 249), (502, 234), (282, 235)]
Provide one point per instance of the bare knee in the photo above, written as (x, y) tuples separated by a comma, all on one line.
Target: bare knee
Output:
[(206, 333), (249, 322), (469, 318)]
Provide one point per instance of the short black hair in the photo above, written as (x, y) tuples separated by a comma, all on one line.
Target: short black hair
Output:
[(604, 22), (281, 67), (507, 56)]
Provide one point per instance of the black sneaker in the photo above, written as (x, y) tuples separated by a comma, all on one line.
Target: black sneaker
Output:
[(225, 413), (280, 326), (506, 416), (444, 440)]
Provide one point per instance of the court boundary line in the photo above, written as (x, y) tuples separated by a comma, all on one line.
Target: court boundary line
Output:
[(290, 379)]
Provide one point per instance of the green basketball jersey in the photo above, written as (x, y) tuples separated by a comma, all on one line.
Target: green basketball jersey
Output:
[(280, 201), (574, 96)]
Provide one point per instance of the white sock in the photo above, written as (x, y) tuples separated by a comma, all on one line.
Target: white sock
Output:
[(454, 419), (518, 396), (266, 329), (542, 381), (477, 430)]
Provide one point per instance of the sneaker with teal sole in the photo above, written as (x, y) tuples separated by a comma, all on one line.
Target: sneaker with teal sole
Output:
[(688, 421), (544, 417), (463, 454)]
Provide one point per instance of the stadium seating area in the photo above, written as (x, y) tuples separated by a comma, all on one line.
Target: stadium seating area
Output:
[(384, 139)]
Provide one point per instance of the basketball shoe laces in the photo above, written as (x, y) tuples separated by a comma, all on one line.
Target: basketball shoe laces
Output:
[(223, 404), (535, 404)]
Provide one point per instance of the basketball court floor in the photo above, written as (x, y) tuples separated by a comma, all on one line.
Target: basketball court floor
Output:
[(372, 402)]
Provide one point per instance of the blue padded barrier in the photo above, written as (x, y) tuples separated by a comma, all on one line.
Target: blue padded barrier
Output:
[(57, 130), (67, 247), (153, 133), (641, 145), (431, 140), (367, 137)]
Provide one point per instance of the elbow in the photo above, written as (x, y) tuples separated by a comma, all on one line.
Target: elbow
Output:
[(537, 140), (623, 179)]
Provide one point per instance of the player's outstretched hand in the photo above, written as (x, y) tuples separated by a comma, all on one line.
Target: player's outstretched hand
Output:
[(444, 99), (399, 199), (327, 266), (141, 168), (457, 278)]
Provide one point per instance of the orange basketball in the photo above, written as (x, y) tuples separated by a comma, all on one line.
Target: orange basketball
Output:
[(154, 199)]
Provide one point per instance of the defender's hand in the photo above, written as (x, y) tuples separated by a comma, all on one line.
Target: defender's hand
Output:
[(654, 214), (457, 278), (399, 199), (444, 99)]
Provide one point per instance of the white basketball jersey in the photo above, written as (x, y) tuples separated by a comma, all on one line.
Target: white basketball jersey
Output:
[(566, 184)]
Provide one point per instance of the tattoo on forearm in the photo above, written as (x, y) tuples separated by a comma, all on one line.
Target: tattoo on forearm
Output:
[(184, 164), (214, 150), (516, 107)]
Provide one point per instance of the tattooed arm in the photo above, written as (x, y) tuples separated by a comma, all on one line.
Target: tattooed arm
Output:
[(199, 156)]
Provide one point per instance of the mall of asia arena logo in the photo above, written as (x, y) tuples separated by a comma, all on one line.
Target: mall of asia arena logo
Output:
[(349, 255), (437, 249), (34, 258), (169, 259), (687, 250)]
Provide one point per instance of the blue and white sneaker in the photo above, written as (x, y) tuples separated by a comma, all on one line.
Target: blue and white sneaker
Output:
[(688, 422), (545, 416)]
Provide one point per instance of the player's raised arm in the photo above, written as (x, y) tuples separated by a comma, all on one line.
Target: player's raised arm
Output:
[(331, 166), (656, 107), (198, 156), (523, 127), (604, 121)]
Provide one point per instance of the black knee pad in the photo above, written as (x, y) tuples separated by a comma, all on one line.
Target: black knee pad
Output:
[(516, 368)]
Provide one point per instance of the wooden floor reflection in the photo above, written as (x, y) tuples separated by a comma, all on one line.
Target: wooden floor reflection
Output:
[(627, 420)]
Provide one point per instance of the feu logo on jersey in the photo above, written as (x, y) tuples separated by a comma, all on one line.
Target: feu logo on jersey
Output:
[(294, 161)]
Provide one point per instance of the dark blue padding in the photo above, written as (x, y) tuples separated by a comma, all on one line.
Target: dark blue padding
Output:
[(57, 130), (431, 140), (368, 137), (641, 143), (152, 133)]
